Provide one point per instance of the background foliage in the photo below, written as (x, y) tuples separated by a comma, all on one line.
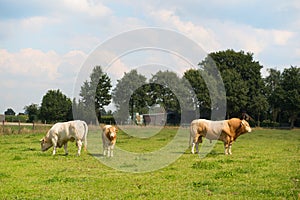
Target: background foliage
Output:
[(274, 98)]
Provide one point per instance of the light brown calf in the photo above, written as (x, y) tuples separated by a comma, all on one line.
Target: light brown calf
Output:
[(109, 138)]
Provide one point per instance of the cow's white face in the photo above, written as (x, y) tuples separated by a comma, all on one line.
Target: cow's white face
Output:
[(112, 132), (45, 144), (246, 125)]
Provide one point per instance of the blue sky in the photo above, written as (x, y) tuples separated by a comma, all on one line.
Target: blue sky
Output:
[(44, 43)]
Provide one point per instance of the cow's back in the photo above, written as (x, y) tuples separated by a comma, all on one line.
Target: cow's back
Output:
[(78, 129), (210, 129), (215, 129), (60, 128)]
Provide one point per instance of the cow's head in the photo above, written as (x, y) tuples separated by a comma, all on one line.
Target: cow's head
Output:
[(112, 132), (45, 144), (245, 125)]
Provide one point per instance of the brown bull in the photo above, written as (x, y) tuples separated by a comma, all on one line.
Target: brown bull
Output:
[(225, 130)]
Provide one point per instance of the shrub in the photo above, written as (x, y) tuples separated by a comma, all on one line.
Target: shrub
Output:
[(108, 119), (269, 123), (16, 118)]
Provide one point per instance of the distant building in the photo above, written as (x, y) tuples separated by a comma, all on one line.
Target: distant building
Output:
[(2, 118)]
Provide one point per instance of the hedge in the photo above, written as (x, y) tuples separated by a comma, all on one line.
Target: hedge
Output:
[(16, 118)]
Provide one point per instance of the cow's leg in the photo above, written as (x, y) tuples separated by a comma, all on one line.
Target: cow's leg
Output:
[(66, 148), (229, 149), (197, 147), (112, 150), (79, 144), (54, 142), (108, 151), (229, 146), (104, 148), (193, 147), (54, 150), (226, 145), (196, 141)]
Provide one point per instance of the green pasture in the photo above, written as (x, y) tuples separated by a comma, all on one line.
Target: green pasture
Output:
[(265, 165)]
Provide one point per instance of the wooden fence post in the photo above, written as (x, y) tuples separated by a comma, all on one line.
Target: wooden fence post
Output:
[(19, 123)]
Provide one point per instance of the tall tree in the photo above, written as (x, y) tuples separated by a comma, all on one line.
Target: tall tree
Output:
[(32, 111), (95, 93), (250, 76), (55, 107), (291, 87), (130, 95), (236, 92), (202, 96), (170, 91), (274, 92)]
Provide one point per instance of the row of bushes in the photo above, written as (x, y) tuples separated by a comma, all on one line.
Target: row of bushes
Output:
[(109, 119), (24, 118), (269, 123), (17, 118)]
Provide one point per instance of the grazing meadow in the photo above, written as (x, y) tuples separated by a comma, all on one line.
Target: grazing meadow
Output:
[(265, 165)]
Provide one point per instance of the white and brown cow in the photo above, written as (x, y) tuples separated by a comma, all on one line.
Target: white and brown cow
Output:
[(225, 130), (109, 138), (61, 133)]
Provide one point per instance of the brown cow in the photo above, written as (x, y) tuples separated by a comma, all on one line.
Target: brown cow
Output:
[(225, 130), (109, 138)]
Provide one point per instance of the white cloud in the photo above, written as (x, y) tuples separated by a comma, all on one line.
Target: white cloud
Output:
[(36, 23), (90, 8), (281, 37), (203, 35), (74, 57), (117, 69), (216, 34), (30, 62), (28, 74), (36, 63)]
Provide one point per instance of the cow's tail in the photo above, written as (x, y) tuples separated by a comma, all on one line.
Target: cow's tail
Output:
[(86, 130)]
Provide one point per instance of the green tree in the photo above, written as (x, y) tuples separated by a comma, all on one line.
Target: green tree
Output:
[(96, 92), (236, 92), (10, 111), (161, 91), (33, 112), (130, 95), (55, 107), (253, 97), (170, 91), (274, 92), (201, 95), (291, 86)]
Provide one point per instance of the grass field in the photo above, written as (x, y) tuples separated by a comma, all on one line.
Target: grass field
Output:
[(265, 165)]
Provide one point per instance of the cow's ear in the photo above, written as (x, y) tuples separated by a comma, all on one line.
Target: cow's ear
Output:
[(42, 140), (242, 123), (117, 130)]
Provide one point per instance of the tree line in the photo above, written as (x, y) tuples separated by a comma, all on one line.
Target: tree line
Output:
[(274, 99)]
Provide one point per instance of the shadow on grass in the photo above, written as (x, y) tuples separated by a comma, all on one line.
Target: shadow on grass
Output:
[(96, 154)]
